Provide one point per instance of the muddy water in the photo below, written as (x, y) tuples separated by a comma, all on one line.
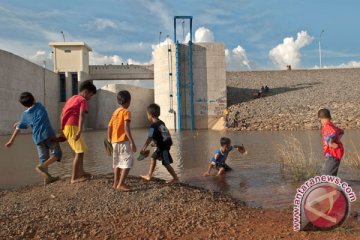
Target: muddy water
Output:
[(256, 177)]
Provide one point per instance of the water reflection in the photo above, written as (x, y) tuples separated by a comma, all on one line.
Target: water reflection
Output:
[(256, 178)]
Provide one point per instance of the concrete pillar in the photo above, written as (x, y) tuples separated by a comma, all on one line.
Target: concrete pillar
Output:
[(209, 83)]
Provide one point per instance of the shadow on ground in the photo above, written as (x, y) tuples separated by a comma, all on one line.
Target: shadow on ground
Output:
[(237, 95)]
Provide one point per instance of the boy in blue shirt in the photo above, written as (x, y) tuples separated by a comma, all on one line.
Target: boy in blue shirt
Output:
[(43, 134), (220, 156)]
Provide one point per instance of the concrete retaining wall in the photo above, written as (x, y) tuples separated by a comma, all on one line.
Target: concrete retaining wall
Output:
[(19, 75), (103, 104)]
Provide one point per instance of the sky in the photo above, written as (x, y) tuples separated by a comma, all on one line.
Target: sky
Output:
[(258, 34)]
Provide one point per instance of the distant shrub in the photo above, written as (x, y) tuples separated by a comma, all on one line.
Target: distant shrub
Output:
[(296, 163)]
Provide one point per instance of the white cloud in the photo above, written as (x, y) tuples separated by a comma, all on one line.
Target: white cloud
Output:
[(351, 64), (288, 52), (202, 34), (41, 58), (99, 59), (100, 24), (158, 9), (237, 59)]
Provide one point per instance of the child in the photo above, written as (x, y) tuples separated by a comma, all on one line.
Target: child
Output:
[(333, 148), (219, 158), (72, 122), (236, 119), (119, 135), (158, 133), (37, 118)]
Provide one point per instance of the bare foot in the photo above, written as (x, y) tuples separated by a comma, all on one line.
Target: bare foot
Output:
[(172, 181), (80, 179), (123, 188), (206, 174), (145, 177)]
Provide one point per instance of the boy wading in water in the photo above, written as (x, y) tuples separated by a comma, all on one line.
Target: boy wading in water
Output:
[(72, 123), (333, 148), (158, 133), (119, 134), (36, 117)]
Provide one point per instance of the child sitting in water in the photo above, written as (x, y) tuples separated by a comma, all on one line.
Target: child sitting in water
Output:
[(220, 156)]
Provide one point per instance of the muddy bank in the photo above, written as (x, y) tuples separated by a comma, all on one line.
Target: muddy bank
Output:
[(294, 98), (154, 210)]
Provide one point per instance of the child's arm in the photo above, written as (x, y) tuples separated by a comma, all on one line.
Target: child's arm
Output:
[(207, 173), (109, 133), (81, 124), (240, 148), (211, 166), (332, 143), (146, 144), (129, 136), (12, 139)]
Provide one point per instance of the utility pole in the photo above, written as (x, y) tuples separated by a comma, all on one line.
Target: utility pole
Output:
[(320, 48)]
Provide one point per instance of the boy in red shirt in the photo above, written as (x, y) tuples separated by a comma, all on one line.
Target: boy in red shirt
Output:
[(72, 122), (333, 148)]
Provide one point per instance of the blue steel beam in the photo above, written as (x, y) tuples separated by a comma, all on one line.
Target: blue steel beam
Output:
[(190, 75)]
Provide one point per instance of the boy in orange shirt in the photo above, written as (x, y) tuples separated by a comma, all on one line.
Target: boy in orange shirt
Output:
[(119, 134), (72, 122)]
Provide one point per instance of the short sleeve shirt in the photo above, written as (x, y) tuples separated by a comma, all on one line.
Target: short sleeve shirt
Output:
[(37, 118), (221, 156), (71, 112), (160, 135), (330, 131), (117, 123)]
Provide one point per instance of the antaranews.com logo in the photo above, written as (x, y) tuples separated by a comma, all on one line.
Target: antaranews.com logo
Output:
[(322, 202)]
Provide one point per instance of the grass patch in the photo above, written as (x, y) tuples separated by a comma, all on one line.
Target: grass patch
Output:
[(352, 160), (298, 161)]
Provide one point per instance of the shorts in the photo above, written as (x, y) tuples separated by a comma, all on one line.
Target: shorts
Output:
[(48, 148), (123, 156), (221, 165), (331, 166), (162, 155), (78, 146)]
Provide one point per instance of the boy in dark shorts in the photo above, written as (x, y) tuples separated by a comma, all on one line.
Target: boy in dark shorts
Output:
[(159, 134), (220, 156)]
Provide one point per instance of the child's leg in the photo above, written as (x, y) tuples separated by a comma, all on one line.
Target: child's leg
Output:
[(151, 170), (331, 166), (116, 176), (221, 171), (122, 186), (55, 153), (173, 174), (76, 171)]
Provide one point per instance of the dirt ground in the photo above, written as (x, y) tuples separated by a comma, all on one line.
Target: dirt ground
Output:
[(153, 210)]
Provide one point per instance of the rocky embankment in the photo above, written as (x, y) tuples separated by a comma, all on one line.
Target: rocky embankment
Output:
[(153, 210), (295, 98)]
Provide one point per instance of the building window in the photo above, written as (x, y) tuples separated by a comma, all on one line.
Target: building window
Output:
[(74, 83), (68, 51), (62, 87)]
